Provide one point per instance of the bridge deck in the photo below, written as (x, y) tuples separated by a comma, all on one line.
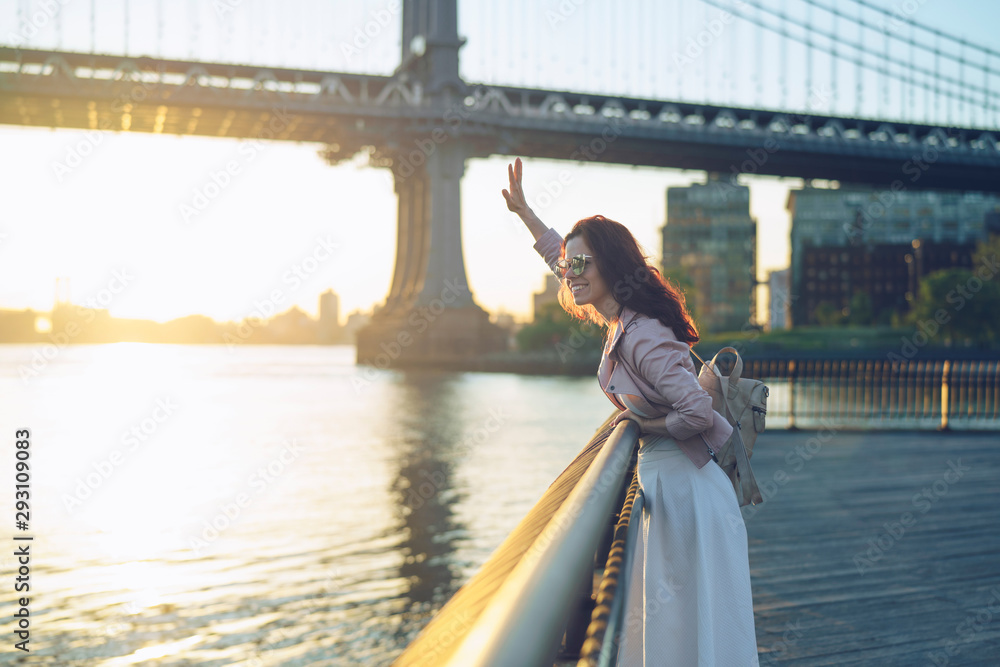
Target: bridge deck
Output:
[(880, 548)]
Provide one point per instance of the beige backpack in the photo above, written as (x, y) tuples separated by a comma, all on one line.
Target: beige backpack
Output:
[(744, 405)]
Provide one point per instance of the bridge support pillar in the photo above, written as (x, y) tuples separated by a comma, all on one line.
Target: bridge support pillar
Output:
[(429, 317)]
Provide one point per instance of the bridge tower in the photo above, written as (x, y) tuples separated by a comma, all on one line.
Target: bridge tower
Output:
[(429, 316)]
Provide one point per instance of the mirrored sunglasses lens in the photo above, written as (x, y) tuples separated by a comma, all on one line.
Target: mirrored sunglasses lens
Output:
[(579, 263)]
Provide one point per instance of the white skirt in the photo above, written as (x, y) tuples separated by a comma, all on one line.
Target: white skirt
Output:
[(688, 600)]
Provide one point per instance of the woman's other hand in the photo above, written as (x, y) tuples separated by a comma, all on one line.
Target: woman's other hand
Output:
[(653, 425), (627, 414)]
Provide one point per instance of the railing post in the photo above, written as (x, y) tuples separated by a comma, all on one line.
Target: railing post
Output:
[(791, 395), (945, 394)]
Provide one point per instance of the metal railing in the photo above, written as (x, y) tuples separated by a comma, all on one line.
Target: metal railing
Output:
[(881, 393), (514, 609), (607, 624), (524, 622)]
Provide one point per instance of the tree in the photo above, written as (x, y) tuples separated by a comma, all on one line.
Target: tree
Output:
[(987, 254), (960, 304), (828, 315), (860, 310), (555, 330)]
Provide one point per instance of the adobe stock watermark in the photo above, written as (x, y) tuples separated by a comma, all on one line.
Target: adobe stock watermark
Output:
[(119, 627), (131, 439), (975, 622), (623, 290), (257, 483), (563, 11), (894, 531), (219, 179), (781, 649), (77, 152), (42, 356), (795, 461), (710, 32), (406, 162), (459, 624), (435, 480), (578, 337), (418, 321), (962, 293), (333, 583), (750, 332), (379, 20), (758, 157), (644, 614), (568, 513), (587, 152), (883, 200), (901, 12), (223, 8), (295, 276), (42, 13)]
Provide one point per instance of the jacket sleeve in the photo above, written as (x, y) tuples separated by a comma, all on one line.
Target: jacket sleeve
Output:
[(549, 246), (660, 361)]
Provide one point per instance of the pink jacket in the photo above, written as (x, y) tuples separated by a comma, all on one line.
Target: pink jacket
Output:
[(663, 381)]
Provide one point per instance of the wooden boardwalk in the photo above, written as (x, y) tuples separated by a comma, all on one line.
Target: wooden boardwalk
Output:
[(877, 548)]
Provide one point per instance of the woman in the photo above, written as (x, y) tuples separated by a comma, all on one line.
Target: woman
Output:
[(688, 600)]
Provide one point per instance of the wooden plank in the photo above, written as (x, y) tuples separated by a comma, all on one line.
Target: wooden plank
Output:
[(876, 548)]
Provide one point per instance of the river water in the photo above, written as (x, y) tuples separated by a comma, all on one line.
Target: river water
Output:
[(263, 505)]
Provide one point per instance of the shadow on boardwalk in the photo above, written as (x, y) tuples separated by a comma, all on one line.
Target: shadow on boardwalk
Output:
[(876, 548)]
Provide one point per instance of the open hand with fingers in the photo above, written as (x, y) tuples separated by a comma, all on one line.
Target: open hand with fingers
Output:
[(515, 196), (517, 203)]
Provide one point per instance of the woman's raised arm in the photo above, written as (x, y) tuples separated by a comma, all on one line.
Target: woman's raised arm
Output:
[(518, 204)]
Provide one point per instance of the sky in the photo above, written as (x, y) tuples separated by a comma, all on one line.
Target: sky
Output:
[(106, 210)]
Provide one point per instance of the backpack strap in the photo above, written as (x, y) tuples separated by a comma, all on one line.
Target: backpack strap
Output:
[(697, 357)]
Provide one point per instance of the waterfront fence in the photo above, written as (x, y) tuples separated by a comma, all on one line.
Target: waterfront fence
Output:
[(873, 393)]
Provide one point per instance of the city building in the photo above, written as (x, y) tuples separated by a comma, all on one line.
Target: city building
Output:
[(294, 326), (549, 294), (18, 326), (355, 321), (710, 248), (850, 243), (329, 318), (506, 321), (778, 290)]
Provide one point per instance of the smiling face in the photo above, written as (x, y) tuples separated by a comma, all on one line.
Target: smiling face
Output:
[(589, 286)]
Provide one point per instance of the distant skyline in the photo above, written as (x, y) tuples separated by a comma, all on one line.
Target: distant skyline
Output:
[(84, 205)]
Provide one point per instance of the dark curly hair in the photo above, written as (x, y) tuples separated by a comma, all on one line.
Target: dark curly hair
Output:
[(633, 282)]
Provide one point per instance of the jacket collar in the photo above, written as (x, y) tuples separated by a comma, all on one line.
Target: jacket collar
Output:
[(625, 318)]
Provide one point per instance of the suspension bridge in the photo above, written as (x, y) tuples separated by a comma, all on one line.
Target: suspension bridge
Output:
[(854, 93)]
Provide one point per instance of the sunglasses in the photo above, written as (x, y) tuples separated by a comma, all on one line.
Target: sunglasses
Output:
[(575, 264)]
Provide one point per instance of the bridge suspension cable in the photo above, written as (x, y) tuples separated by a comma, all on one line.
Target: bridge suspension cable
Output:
[(835, 39), (856, 59), (930, 29), (911, 41)]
